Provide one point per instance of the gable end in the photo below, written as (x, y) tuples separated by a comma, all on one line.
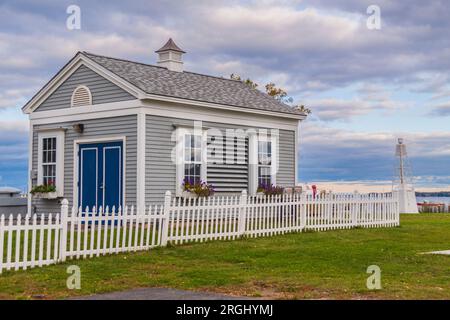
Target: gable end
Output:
[(102, 90)]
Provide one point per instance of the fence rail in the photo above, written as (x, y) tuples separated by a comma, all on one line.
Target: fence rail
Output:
[(31, 241)]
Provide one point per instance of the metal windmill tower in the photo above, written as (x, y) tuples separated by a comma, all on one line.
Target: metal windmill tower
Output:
[(402, 184)]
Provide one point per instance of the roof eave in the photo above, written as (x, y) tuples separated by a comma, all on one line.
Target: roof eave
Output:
[(198, 103)]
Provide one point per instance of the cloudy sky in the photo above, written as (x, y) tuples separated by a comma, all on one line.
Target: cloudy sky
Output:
[(365, 87)]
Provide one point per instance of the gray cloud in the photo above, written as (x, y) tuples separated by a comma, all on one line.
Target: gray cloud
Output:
[(441, 110), (336, 154)]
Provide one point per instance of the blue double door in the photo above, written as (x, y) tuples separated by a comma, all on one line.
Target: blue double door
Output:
[(100, 181)]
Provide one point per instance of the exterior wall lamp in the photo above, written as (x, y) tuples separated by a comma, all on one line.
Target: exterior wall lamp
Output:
[(78, 128)]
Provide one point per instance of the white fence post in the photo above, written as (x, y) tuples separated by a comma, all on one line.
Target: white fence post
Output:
[(356, 207), (63, 237), (242, 213), (303, 208), (166, 217)]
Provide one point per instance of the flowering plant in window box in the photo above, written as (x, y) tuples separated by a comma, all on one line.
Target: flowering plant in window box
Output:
[(270, 190), (192, 189), (44, 192)]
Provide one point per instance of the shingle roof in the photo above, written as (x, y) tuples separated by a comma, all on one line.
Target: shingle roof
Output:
[(193, 86)]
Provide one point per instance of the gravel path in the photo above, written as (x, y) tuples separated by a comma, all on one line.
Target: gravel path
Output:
[(159, 294)]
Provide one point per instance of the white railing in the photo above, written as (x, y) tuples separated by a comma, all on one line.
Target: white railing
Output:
[(30, 241)]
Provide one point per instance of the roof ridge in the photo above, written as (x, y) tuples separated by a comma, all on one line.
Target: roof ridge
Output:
[(242, 84), (155, 66)]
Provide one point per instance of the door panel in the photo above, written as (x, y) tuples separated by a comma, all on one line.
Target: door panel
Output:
[(100, 174), (112, 176), (88, 177)]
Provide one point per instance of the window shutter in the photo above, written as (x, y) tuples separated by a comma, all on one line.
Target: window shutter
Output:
[(81, 97)]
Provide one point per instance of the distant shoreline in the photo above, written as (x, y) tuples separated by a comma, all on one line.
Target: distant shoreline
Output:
[(433, 194)]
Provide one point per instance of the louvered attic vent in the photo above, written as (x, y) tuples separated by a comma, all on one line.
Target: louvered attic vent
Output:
[(81, 97)]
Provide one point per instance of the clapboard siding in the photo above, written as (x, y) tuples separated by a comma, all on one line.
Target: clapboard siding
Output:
[(102, 90), (161, 171), (98, 128), (286, 170)]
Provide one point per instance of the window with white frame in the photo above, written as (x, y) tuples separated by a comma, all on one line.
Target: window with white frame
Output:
[(191, 155), (264, 163), (51, 159), (192, 158), (263, 160)]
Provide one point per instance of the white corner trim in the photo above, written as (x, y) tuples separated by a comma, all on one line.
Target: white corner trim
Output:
[(30, 168), (141, 174), (60, 147), (296, 150), (76, 163)]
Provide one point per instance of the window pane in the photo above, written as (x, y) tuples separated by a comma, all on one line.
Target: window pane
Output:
[(264, 177), (197, 155), (192, 172), (49, 174), (198, 142), (192, 148), (187, 141), (265, 153)]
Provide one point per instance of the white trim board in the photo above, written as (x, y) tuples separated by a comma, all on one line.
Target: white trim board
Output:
[(116, 109), (30, 167), (141, 160)]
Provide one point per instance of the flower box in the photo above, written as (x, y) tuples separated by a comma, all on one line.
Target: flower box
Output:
[(45, 195), (189, 195)]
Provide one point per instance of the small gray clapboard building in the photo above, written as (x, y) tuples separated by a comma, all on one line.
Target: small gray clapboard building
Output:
[(12, 202), (107, 131)]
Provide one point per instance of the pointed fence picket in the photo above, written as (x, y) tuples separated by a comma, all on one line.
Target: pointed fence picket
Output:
[(32, 240)]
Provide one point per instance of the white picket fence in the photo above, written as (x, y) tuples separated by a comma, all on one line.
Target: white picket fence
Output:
[(31, 241)]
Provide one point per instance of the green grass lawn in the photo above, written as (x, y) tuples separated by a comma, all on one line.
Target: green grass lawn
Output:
[(329, 265)]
